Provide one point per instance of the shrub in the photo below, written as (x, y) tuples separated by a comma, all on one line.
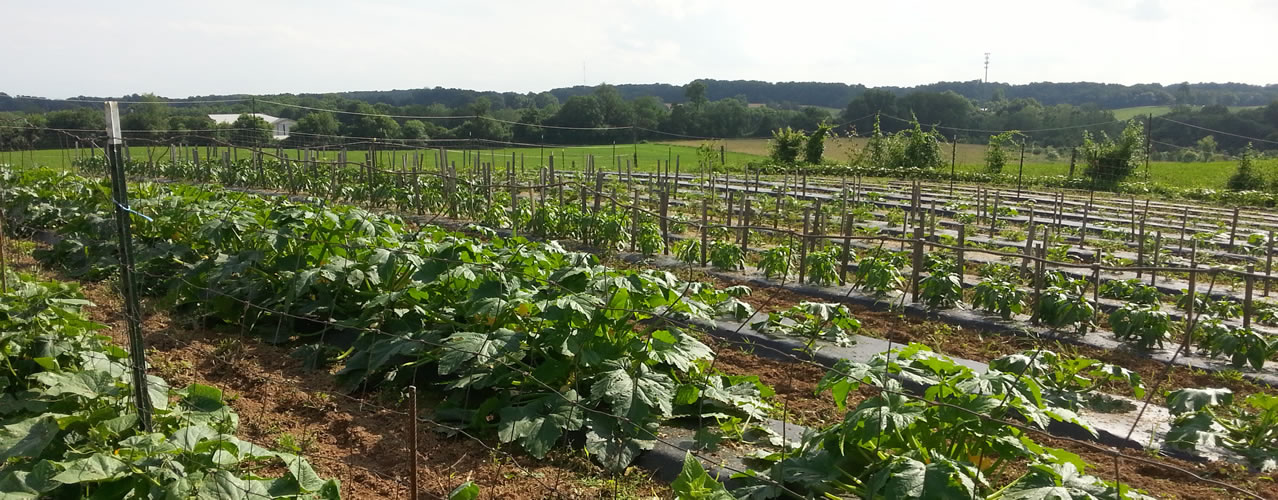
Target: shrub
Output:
[(1110, 161), (786, 145), (1247, 177)]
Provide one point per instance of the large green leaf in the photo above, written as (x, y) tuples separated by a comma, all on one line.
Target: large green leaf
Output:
[(90, 384), (905, 477), (27, 438), (1190, 399), (538, 424), (476, 349), (94, 468), (615, 443), (634, 392)]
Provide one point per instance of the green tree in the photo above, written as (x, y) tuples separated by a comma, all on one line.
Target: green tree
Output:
[(696, 93), (413, 130), (251, 130), (1207, 146), (1247, 177), (922, 148), (317, 123)]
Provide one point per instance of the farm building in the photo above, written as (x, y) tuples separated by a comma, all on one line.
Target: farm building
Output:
[(279, 126)]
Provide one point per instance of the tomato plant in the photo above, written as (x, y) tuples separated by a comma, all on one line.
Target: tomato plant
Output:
[(1143, 324), (650, 241), (823, 267), (940, 289), (776, 262), (1130, 290), (998, 296), (880, 273), (726, 256)]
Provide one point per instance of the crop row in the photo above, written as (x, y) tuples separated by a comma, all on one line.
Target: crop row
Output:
[(529, 341)]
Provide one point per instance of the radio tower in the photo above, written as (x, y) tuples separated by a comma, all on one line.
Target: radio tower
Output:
[(987, 67)]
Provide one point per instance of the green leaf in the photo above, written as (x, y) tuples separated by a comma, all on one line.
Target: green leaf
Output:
[(94, 468), (615, 444), (23, 485), (679, 349), (476, 349), (908, 478), (466, 491), (202, 397), (1190, 431), (27, 438), (90, 384), (302, 471), (694, 483), (634, 395), (1189, 399), (538, 424)]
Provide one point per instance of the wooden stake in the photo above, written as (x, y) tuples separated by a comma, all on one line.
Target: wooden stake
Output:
[(917, 265)]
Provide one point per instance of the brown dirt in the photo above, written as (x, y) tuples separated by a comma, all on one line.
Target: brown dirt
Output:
[(358, 439), (796, 399)]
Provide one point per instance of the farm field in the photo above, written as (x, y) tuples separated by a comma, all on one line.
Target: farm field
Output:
[(815, 305), (1139, 111), (971, 158), (565, 157)]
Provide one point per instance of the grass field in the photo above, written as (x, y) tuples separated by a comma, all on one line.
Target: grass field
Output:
[(564, 157), (1140, 111)]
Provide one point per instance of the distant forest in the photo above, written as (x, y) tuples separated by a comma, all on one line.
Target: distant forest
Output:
[(703, 108)]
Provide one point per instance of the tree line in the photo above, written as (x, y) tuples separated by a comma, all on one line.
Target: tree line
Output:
[(606, 115)]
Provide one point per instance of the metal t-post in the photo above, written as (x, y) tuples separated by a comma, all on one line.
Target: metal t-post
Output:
[(124, 231)]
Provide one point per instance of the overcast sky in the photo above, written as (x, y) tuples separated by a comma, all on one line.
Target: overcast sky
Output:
[(176, 48)]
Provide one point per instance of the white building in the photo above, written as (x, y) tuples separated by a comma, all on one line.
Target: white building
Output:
[(279, 126)]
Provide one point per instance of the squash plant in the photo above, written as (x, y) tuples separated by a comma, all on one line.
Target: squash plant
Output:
[(891, 445), (71, 430), (527, 341), (1209, 417)]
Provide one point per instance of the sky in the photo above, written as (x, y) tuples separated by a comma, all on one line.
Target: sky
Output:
[(178, 48)]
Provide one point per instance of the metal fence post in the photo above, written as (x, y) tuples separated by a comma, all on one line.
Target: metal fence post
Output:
[(124, 232)]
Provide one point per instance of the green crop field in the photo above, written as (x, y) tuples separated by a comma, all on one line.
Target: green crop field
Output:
[(568, 157)]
